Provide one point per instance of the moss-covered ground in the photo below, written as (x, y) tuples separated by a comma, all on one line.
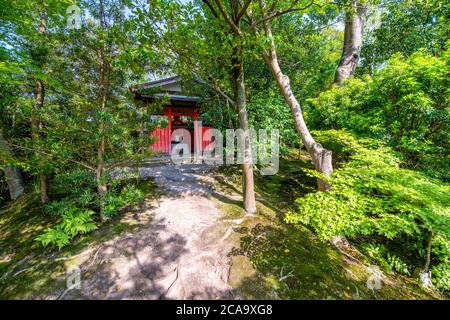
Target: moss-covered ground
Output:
[(28, 270), (275, 260)]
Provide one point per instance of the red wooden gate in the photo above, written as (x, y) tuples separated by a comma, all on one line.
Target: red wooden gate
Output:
[(163, 137), (206, 137)]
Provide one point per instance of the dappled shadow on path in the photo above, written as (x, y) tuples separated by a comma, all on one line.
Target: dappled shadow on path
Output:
[(142, 265), (194, 180), (180, 254)]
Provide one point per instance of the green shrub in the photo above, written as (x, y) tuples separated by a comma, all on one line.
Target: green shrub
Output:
[(114, 200), (268, 110), (397, 264), (80, 203), (74, 222), (372, 196), (73, 183), (441, 276), (110, 204), (389, 261), (441, 270), (405, 104), (131, 195), (54, 237)]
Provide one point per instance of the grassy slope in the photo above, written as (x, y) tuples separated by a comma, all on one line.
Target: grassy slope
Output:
[(280, 261), (27, 270)]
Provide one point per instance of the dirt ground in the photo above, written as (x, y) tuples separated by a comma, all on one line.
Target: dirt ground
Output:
[(181, 254)]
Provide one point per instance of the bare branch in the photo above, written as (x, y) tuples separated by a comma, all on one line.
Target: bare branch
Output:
[(272, 7), (211, 7), (282, 12), (243, 10), (227, 18), (52, 155), (216, 87)]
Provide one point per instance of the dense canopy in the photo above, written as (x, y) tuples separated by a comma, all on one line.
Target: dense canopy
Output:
[(357, 89)]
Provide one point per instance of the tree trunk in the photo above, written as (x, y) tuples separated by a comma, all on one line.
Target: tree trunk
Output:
[(425, 274), (14, 179), (321, 157), (240, 98), (248, 187), (103, 72), (353, 36), (101, 187), (36, 124)]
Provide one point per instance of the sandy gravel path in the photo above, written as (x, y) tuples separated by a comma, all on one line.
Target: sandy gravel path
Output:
[(181, 254)]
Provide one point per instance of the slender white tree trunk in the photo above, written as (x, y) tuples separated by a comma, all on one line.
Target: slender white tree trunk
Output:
[(425, 273), (321, 157)]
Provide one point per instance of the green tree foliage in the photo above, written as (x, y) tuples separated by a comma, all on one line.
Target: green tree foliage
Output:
[(405, 104), (404, 27), (78, 207), (24, 53), (86, 74), (373, 197), (388, 131)]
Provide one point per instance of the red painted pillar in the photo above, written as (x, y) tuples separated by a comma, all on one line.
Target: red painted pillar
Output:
[(169, 144), (197, 138)]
